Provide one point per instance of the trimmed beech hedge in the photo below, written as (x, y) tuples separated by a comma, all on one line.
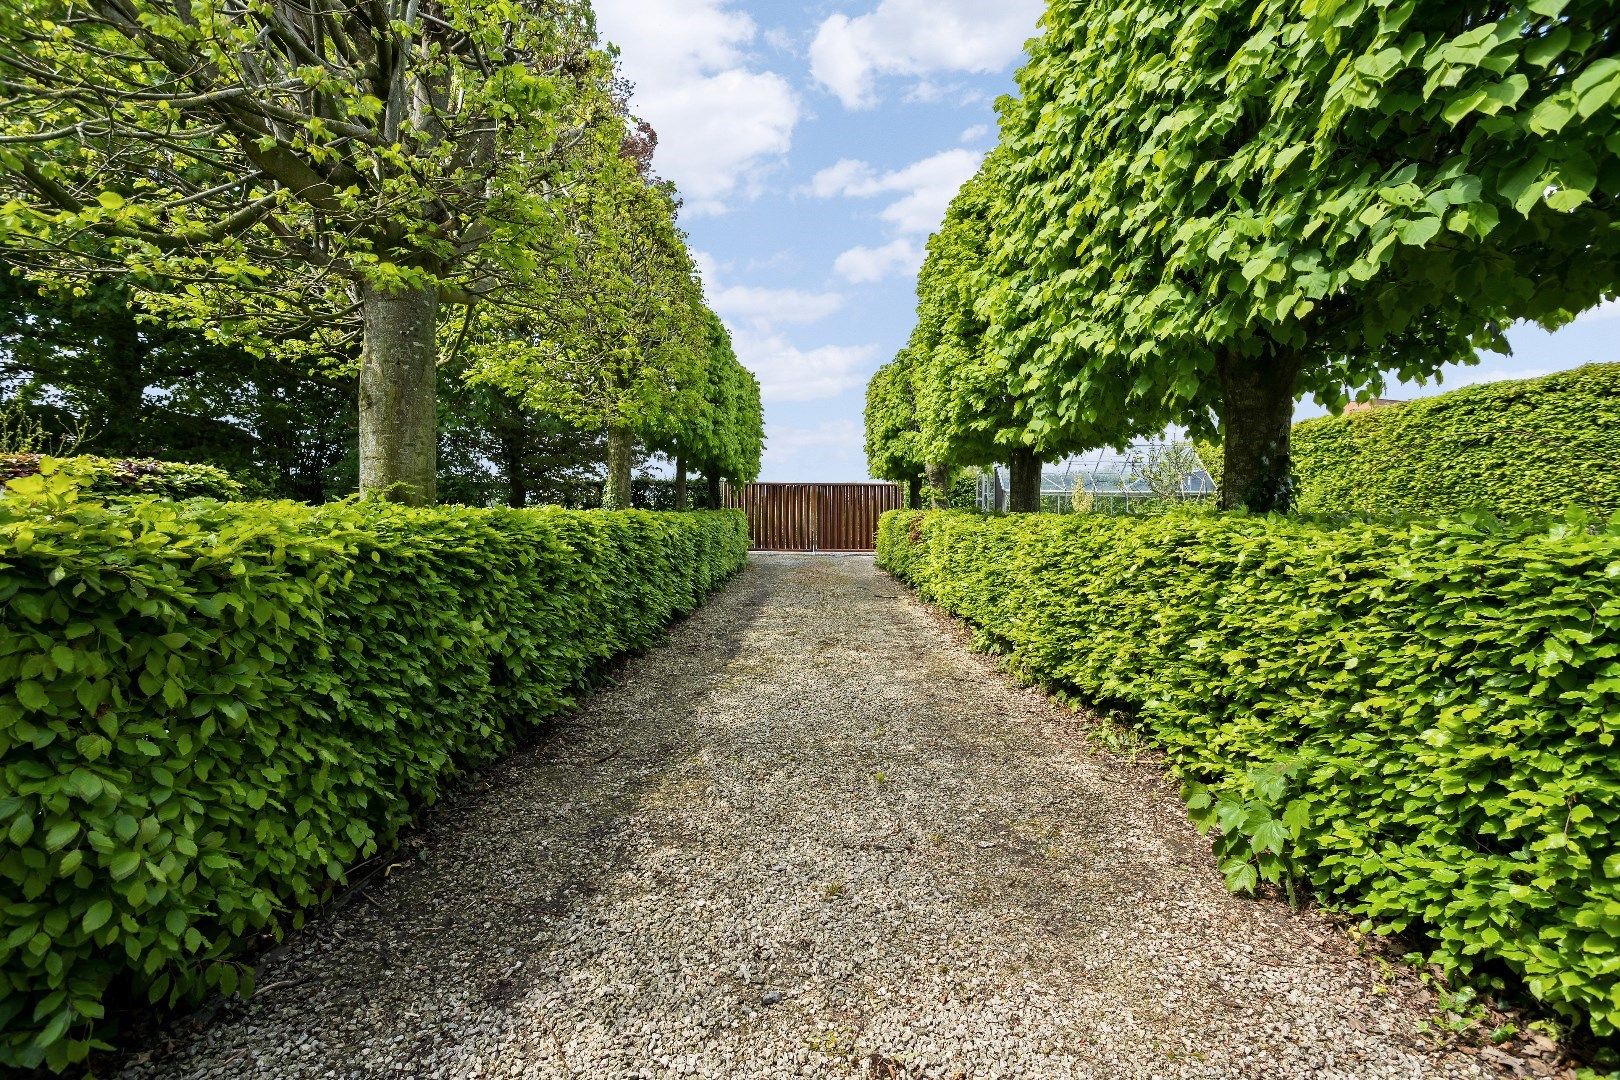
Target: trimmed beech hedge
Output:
[(118, 476), (1418, 720), (209, 710), (1523, 447)]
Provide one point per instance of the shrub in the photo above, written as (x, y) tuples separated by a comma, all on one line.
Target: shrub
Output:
[(212, 709), (1418, 720), (1522, 447), (116, 477)]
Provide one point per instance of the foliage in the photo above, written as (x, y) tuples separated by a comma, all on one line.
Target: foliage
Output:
[(373, 163), (213, 709), (619, 337), (1533, 446), (1163, 467), (1211, 207), (893, 440), (725, 436), (22, 431), (1418, 720), (99, 373), (98, 476), (966, 411)]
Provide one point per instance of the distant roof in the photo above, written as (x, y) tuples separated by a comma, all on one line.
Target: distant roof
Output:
[(1368, 406)]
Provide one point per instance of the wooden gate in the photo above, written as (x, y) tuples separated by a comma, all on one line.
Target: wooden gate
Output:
[(814, 517)]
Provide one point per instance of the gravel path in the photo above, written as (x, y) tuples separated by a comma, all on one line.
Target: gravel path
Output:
[(813, 836)]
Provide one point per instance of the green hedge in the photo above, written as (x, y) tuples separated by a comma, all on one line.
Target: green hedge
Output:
[(1518, 448), (117, 476), (211, 709), (1420, 721)]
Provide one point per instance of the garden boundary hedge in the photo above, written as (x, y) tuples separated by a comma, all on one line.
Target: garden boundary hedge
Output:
[(1419, 720), (132, 476), (210, 710), (1520, 447)]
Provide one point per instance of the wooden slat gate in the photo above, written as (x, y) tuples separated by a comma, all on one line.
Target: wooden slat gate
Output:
[(814, 517)]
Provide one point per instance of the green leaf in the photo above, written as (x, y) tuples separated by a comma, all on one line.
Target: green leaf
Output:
[(98, 915)]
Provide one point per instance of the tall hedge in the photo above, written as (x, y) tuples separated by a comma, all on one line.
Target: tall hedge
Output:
[(210, 710), (1419, 721), (1530, 446)]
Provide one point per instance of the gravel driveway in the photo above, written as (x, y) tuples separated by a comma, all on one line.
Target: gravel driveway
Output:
[(813, 836)]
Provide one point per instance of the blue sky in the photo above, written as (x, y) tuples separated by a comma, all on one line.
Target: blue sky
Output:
[(816, 146)]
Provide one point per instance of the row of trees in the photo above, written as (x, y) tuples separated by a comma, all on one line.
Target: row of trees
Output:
[(447, 203), (1201, 210)]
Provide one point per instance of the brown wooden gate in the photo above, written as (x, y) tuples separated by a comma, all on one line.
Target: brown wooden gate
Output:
[(814, 517)]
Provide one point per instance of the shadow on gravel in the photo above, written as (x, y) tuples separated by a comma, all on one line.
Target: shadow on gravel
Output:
[(445, 925)]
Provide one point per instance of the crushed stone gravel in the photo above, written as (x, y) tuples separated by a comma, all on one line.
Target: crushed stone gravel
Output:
[(813, 835)]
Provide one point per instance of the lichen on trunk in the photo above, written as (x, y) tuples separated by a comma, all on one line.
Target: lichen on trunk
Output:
[(398, 436)]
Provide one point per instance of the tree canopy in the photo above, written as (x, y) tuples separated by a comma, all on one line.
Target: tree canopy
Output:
[(340, 168), (1200, 210), (1214, 207)]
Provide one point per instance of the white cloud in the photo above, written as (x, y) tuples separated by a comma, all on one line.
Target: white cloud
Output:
[(762, 308), (915, 39), (924, 187), (721, 123), (789, 373), (862, 265), (828, 451), (975, 133), (919, 192)]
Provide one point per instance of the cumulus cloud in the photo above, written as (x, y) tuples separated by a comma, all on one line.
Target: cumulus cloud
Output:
[(862, 265), (722, 123), (975, 133), (915, 39), (789, 373), (917, 197), (763, 308), (924, 188), (826, 451), (755, 314)]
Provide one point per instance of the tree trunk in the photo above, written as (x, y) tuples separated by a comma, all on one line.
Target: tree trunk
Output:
[(620, 449), (914, 493), (715, 499), (1023, 481), (115, 424), (680, 482), (398, 439), (1257, 413), (938, 477), (517, 487)]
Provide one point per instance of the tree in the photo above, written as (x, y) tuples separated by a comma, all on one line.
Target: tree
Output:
[(335, 166), (615, 340), (893, 438), (140, 387), (1215, 207), (726, 437), (968, 413)]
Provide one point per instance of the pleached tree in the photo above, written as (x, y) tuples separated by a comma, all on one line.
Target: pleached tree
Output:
[(1213, 208), (306, 171)]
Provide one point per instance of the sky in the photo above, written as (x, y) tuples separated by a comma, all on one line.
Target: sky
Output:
[(816, 145)]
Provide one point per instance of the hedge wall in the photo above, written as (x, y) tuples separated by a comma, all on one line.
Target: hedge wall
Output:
[(1420, 721), (211, 709), (1530, 446), (118, 476)]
